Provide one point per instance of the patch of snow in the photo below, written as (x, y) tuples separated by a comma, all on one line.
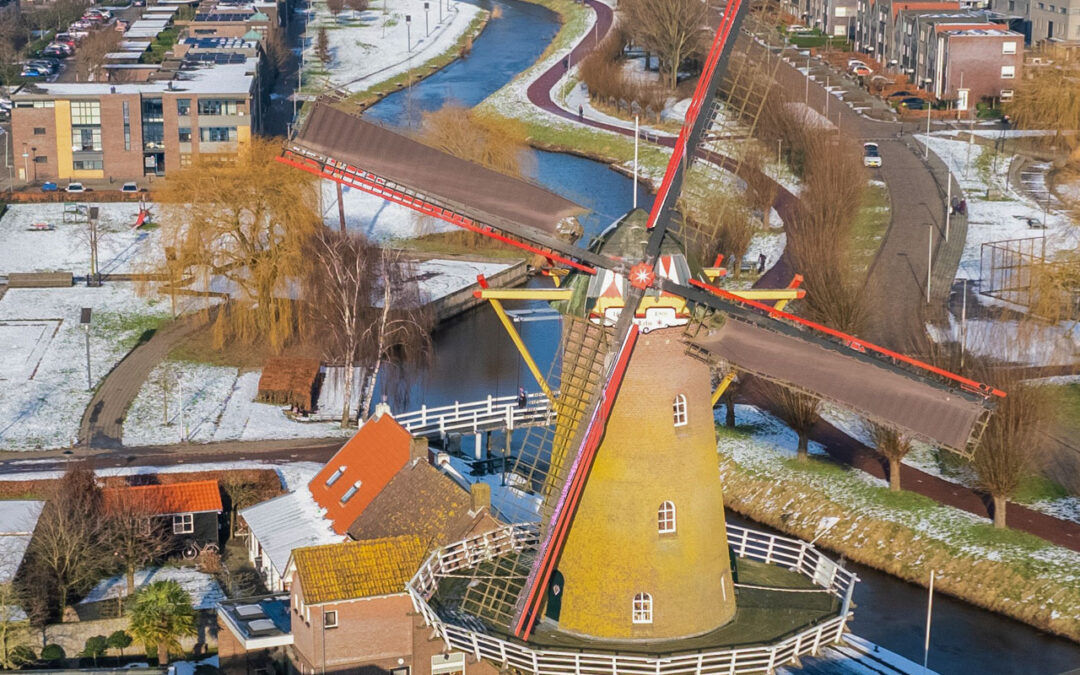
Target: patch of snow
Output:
[(440, 278), (376, 218), (1025, 343), (188, 667), (44, 356), (65, 248), (1065, 508), (374, 45), (203, 589)]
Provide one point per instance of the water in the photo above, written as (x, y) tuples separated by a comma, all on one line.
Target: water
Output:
[(474, 359)]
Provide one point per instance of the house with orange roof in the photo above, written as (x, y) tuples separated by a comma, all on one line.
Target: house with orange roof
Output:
[(192, 510)]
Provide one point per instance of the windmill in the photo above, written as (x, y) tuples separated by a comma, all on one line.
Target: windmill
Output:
[(631, 545)]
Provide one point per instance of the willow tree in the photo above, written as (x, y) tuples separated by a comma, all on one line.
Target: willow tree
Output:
[(234, 228), (894, 445), (1048, 99), (797, 410)]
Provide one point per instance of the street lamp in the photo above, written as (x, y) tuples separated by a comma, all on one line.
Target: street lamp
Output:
[(26, 163), (84, 321), (427, 26), (440, 11), (408, 31)]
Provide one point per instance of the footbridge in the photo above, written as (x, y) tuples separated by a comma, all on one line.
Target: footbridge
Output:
[(494, 413)]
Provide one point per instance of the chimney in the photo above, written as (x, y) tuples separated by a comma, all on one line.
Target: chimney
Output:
[(382, 408), (481, 496), (418, 450)]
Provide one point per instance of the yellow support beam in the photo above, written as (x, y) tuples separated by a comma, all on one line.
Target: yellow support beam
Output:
[(722, 387), (525, 293), (781, 294), (508, 324), (796, 281)]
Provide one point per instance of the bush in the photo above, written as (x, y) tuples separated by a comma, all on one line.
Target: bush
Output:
[(95, 646), (21, 655), (119, 640), (52, 653)]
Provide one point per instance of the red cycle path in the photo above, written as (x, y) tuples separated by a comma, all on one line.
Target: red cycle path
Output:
[(840, 446)]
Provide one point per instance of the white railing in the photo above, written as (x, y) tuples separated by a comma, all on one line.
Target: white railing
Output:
[(747, 543), (472, 417)]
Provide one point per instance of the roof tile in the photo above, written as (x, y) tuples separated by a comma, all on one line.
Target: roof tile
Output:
[(193, 497), (357, 569)]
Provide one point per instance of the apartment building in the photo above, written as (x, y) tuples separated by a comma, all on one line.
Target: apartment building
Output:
[(971, 63), (90, 131), (1057, 20), (877, 31)]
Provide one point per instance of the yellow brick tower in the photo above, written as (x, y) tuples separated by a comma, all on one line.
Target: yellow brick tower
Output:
[(646, 557)]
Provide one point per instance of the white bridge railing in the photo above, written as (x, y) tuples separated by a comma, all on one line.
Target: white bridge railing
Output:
[(782, 551), (501, 412)]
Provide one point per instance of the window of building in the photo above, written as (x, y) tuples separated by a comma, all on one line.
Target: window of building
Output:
[(404, 670), (351, 491), (1006, 94), (679, 406), (185, 134), (183, 523), (127, 126), (217, 134), (1008, 72), (41, 159), (642, 608), (1042, 5), (185, 159), (330, 619), (86, 139), (183, 107), (85, 112), (1008, 47), (39, 131), (334, 476), (87, 164), (217, 106), (1012, 5), (665, 518)]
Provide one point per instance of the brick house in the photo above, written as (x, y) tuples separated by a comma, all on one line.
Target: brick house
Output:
[(192, 511), (985, 60)]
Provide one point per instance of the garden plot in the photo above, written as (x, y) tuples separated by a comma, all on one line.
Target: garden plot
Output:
[(43, 405), (204, 591), (372, 46), (121, 249)]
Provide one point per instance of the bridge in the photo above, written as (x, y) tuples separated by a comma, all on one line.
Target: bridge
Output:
[(474, 417)]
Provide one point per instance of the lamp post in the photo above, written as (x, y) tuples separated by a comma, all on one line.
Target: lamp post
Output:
[(84, 321), (408, 30), (26, 163), (440, 11), (427, 25)]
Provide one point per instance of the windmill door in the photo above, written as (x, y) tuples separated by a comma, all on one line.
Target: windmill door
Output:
[(554, 596)]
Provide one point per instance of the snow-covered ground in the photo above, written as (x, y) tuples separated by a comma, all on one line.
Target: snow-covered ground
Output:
[(1028, 343), (996, 220), (66, 248), (768, 444), (188, 667), (439, 278), (371, 46), (376, 218), (43, 356), (203, 589), (218, 405)]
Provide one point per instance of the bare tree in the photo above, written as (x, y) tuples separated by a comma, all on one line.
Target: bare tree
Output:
[(357, 5), (69, 547), (797, 410), (761, 190), (497, 143), (335, 6), (322, 46), (92, 50), (277, 49), (136, 534), (673, 29), (242, 493), (1048, 98), (246, 232), (13, 626), (894, 445), (1007, 451), (399, 326)]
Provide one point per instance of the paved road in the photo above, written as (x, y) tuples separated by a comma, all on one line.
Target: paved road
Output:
[(103, 420)]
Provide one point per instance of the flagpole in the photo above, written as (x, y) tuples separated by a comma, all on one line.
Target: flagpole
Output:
[(929, 611), (635, 158)]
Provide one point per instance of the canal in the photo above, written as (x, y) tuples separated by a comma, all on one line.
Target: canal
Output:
[(474, 359)]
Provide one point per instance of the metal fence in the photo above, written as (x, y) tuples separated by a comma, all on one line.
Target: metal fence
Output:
[(783, 551)]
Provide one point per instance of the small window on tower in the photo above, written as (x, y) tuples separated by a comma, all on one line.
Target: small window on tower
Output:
[(665, 518), (642, 610), (680, 410)]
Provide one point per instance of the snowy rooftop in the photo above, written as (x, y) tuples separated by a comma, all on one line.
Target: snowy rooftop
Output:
[(17, 522), (232, 78), (288, 522)]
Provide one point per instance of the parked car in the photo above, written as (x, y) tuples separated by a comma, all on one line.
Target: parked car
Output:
[(49, 186), (129, 187), (861, 71), (797, 28), (851, 63), (901, 94), (31, 71), (75, 187), (871, 155), (46, 64), (913, 103)]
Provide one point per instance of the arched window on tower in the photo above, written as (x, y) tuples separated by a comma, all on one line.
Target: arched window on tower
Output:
[(665, 518), (642, 611), (679, 406)]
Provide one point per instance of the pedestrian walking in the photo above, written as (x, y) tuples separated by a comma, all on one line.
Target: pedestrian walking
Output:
[(761, 260), (523, 398), (566, 62), (581, 113)]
